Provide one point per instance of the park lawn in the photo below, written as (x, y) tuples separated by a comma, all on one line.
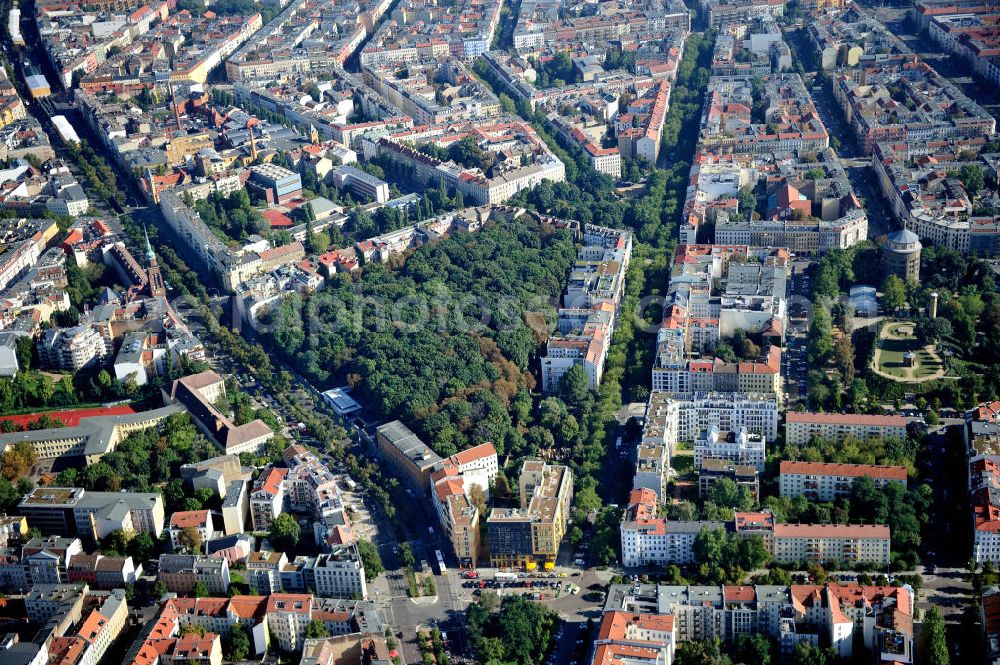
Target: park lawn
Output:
[(891, 358), (927, 364), (892, 350)]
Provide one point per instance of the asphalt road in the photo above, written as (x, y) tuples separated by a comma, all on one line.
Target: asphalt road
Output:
[(796, 369)]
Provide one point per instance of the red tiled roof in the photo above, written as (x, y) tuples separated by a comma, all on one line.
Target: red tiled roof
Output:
[(189, 518), (475, 453), (738, 594), (300, 603), (277, 220), (847, 470)]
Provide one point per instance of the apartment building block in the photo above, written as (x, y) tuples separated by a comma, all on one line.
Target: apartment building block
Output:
[(714, 469), (410, 458), (181, 572), (73, 349), (92, 515), (199, 520), (846, 543), (800, 427), (335, 574), (103, 572), (591, 302), (530, 535), (863, 622), (264, 572), (820, 481), (739, 446), (637, 638), (452, 486), (651, 540), (267, 498)]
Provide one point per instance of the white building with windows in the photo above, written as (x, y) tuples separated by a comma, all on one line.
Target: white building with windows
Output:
[(822, 481), (338, 574), (650, 540), (739, 446), (267, 498), (263, 572), (845, 543), (802, 426), (984, 481), (674, 417), (181, 521)]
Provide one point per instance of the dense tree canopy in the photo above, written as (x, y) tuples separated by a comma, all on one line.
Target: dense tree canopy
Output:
[(285, 533), (231, 217), (149, 457), (726, 557), (17, 460), (442, 342), (370, 559), (520, 633)]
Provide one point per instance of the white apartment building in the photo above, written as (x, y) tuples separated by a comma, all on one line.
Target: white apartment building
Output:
[(310, 486), (659, 542), (263, 572), (845, 543), (235, 508), (476, 466), (650, 540), (564, 352), (73, 348), (287, 618), (847, 617), (651, 466), (358, 182), (267, 498), (821, 481), (636, 639), (607, 161), (802, 426), (739, 446), (338, 574), (589, 309), (673, 417), (984, 479), (200, 520), (756, 412)]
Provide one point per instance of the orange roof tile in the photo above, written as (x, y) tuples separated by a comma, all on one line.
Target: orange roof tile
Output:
[(845, 470)]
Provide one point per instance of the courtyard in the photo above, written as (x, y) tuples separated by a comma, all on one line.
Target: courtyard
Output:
[(898, 339)]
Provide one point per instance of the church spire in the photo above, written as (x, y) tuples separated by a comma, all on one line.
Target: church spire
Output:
[(157, 288), (150, 256)]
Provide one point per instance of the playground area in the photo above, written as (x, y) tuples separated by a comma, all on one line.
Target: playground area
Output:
[(902, 357)]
